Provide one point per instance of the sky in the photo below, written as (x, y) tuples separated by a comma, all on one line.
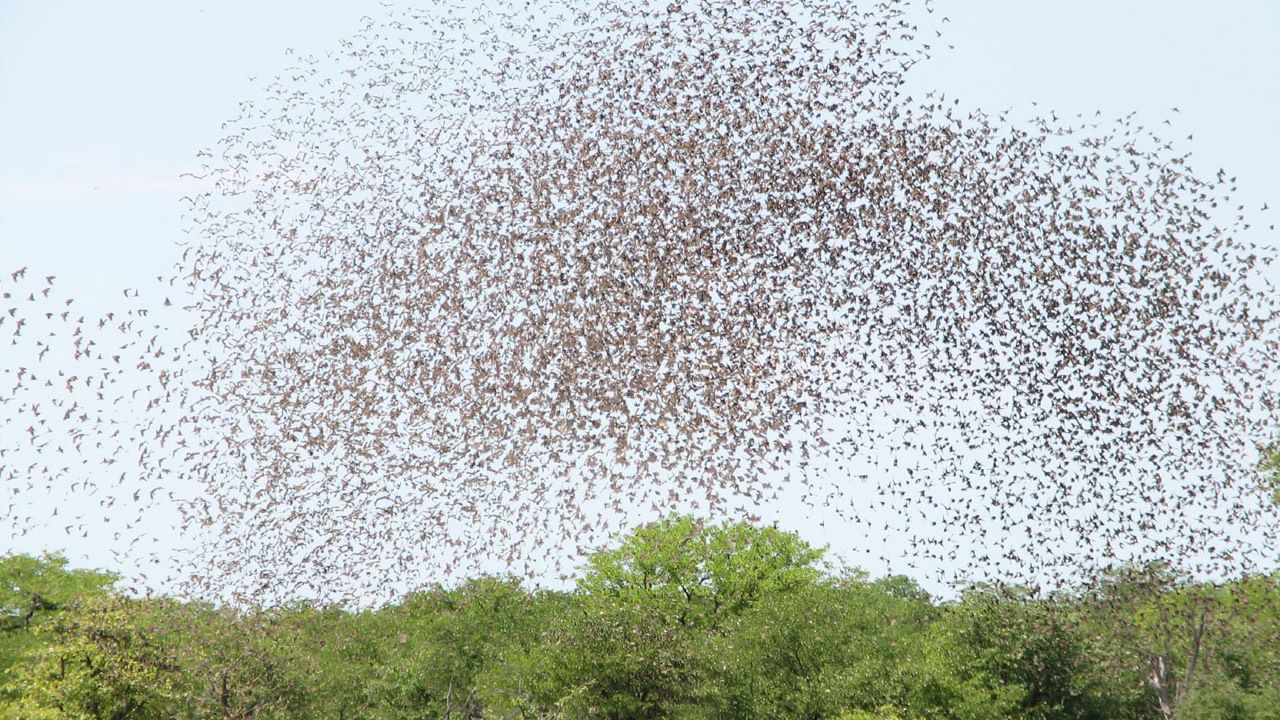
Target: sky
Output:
[(103, 107)]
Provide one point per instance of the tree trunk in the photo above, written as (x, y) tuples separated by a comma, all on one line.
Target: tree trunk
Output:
[(1159, 680)]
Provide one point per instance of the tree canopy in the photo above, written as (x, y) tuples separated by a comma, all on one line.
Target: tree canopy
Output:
[(677, 619)]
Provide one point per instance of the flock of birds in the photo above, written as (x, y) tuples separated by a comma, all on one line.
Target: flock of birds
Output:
[(480, 288)]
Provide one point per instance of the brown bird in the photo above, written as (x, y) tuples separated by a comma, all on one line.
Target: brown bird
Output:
[(437, 315)]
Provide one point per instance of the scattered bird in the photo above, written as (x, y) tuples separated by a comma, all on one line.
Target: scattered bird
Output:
[(438, 316)]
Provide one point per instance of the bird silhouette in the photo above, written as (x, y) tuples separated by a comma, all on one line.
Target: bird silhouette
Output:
[(438, 311)]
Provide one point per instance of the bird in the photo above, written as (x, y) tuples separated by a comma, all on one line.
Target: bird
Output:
[(646, 292)]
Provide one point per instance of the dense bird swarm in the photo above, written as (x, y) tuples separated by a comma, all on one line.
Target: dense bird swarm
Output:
[(480, 288)]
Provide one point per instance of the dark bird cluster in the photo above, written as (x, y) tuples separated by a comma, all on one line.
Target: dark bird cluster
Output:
[(482, 287)]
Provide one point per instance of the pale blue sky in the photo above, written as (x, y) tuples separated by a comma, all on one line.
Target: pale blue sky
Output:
[(104, 105)]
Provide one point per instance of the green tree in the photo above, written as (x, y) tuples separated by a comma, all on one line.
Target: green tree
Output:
[(101, 661), (1190, 641), (701, 573), (330, 658), (1040, 647), (629, 647), (1270, 469), (830, 647), (237, 664), (161, 659), (440, 645), (33, 589)]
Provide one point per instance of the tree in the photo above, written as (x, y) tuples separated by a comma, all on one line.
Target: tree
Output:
[(1043, 648), (442, 648), (237, 665), (679, 619), (102, 661), (32, 587), (1188, 640), (630, 645), (333, 659), (1270, 469), (702, 572), (32, 590), (156, 659), (842, 644)]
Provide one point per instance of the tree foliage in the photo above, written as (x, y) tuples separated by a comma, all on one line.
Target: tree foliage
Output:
[(678, 619), (33, 589)]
